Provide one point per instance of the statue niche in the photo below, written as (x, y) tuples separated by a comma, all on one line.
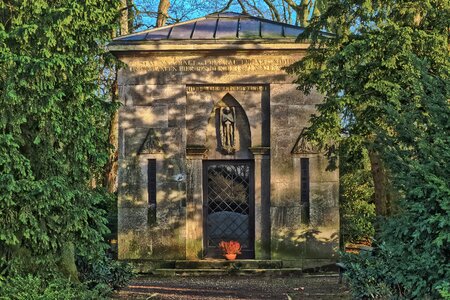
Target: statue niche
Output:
[(227, 129)]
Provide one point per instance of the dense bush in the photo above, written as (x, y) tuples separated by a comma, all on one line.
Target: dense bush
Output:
[(364, 275), (38, 288), (356, 195), (54, 132), (106, 271), (385, 74)]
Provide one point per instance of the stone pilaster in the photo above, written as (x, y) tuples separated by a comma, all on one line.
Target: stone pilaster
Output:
[(194, 202), (262, 202)]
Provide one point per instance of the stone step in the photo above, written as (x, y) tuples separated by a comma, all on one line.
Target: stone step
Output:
[(228, 264), (225, 272)]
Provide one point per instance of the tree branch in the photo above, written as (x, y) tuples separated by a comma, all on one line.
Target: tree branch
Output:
[(244, 10), (273, 10), (163, 10), (226, 6)]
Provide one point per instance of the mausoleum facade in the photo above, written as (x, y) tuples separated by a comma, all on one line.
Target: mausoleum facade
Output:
[(211, 146)]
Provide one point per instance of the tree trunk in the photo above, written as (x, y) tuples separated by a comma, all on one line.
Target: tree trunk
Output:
[(113, 164), (123, 17), (131, 15), (66, 262), (163, 13), (380, 184)]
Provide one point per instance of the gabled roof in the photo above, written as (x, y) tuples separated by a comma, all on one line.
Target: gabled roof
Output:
[(228, 26)]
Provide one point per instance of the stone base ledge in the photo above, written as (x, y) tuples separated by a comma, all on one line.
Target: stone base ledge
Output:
[(222, 266)]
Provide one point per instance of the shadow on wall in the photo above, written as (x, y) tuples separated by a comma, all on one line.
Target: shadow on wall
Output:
[(292, 243)]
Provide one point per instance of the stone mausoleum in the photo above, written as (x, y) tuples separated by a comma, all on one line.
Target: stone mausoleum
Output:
[(211, 146)]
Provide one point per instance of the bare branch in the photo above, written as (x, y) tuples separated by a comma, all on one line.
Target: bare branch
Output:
[(253, 6), (273, 10), (244, 9), (226, 7)]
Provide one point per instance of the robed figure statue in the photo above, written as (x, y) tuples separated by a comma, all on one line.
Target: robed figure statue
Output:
[(227, 129)]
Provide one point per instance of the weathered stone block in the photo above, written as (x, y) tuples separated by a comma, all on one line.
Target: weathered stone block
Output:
[(285, 194), (287, 94), (132, 187), (168, 141), (177, 116), (150, 117), (133, 139), (129, 76), (153, 95), (152, 243), (132, 219), (298, 117), (318, 169), (324, 204), (199, 109), (173, 141), (286, 217)]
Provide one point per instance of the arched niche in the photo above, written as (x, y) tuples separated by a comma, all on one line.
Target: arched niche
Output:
[(242, 134)]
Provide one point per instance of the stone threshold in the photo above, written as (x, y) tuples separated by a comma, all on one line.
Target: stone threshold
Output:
[(220, 267), (240, 266)]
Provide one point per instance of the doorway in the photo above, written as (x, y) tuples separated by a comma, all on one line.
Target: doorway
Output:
[(228, 207)]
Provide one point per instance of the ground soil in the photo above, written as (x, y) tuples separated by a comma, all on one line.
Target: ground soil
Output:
[(235, 287)]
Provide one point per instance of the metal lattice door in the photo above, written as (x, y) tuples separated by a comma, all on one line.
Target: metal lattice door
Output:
[(228, 206)]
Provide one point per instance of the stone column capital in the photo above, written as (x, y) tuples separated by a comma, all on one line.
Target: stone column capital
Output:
[(196, 151), (260, 151)]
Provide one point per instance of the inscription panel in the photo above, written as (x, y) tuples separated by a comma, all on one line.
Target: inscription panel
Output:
[(211, 64), (226, 88)]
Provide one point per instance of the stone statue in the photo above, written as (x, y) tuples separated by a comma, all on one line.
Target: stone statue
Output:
[(227, 128)]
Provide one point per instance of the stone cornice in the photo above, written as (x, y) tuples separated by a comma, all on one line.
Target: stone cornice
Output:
[(199, 46)]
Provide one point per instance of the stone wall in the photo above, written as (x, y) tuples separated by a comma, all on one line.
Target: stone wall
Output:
[(169, 99), (292, 237)]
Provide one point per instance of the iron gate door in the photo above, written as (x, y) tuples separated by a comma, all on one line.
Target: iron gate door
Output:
[(228, 206)]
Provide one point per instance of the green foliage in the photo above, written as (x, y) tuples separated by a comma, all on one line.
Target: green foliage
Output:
[(106, 271), (364, 275), (37, 288), (356, 195), (53, 130), (386, 79)]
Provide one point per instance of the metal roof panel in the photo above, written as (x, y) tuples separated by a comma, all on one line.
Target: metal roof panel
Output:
[(292, 32), (224, 26), (227, 28), (271, 30), (182, 31), (249, 29), (204, 30), (161, 34)]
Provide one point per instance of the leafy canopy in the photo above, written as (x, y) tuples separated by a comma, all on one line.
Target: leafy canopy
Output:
[(385, 76), (53, 126)]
